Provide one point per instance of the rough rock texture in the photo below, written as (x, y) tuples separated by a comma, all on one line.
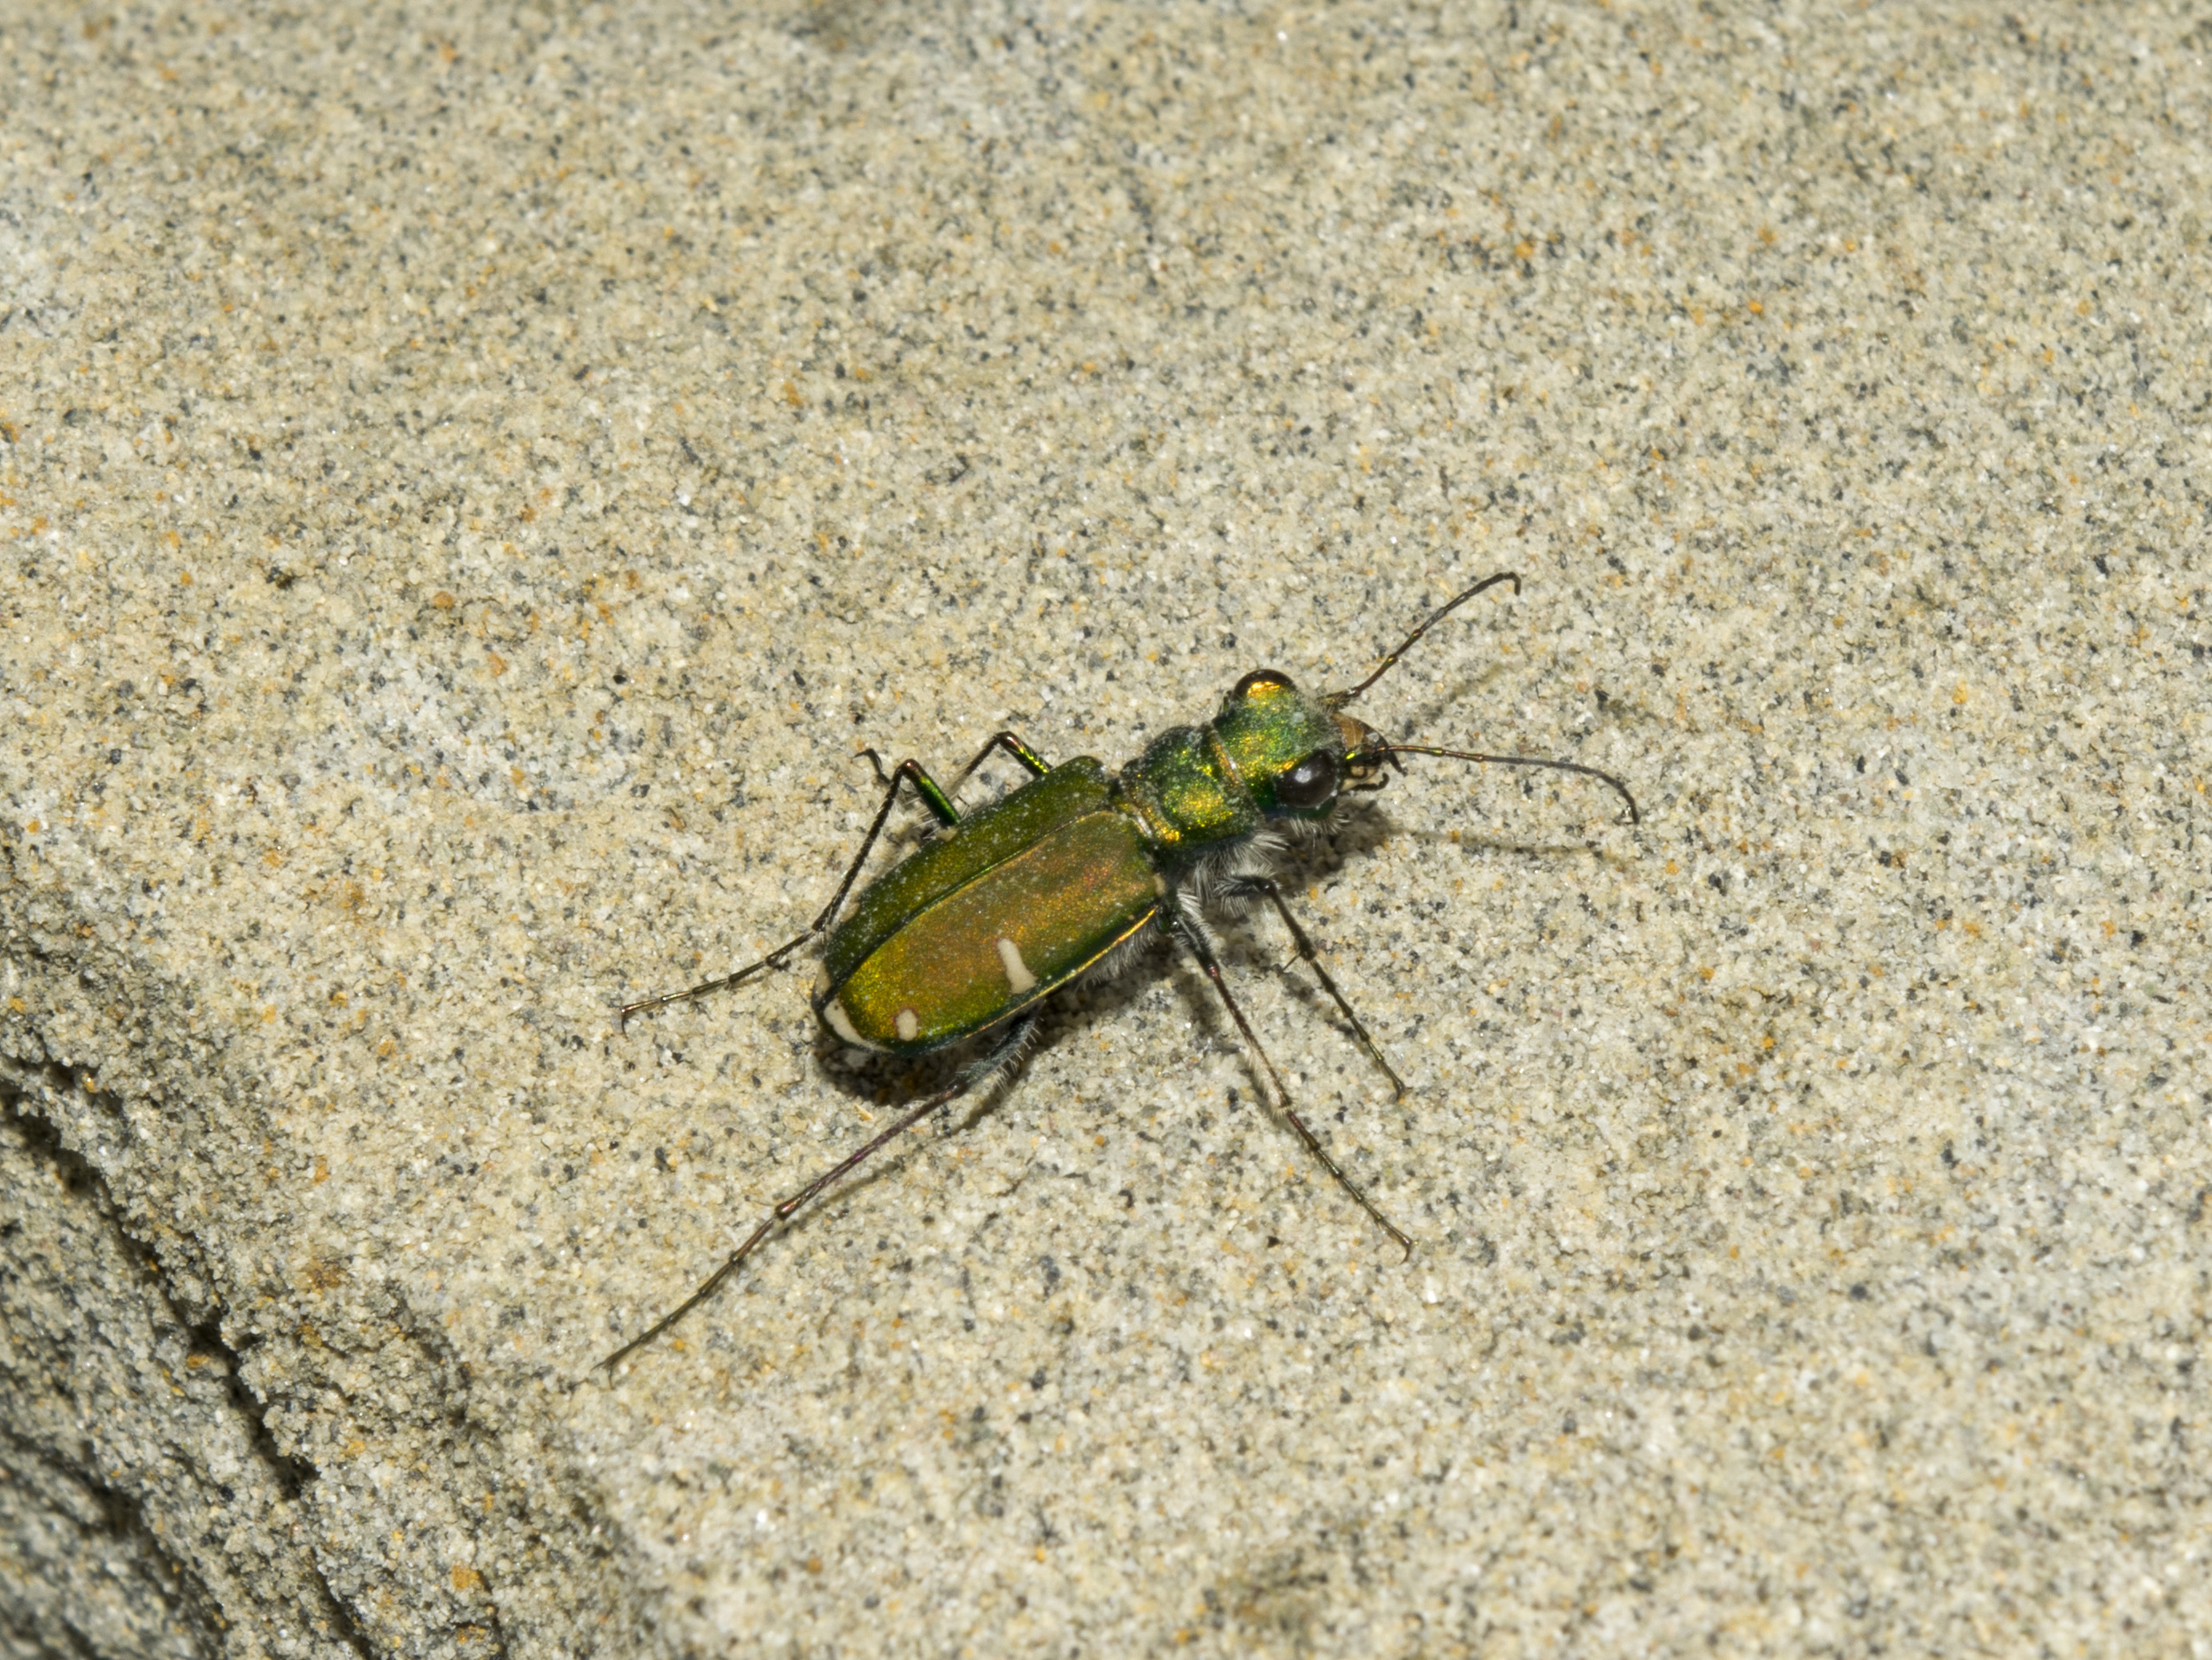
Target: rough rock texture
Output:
[(468, 482)]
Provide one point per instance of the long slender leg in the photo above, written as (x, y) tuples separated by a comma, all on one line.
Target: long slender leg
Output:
[(1013, 744), (940, 805), (1002, 1053), (1196, 943), (937, 801), (1266, 886)]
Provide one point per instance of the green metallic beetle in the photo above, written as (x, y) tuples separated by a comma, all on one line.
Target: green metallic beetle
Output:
[(1067, 875)]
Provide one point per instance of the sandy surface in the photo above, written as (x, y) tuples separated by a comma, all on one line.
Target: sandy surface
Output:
[(469, 486)]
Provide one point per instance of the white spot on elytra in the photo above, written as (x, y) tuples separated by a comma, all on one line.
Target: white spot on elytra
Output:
[(1159, 884), (821, 982), (910, 1024), (1018, 974), (841, 1024)]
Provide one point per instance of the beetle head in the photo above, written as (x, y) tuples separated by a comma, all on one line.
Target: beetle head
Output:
[(1294, 752)]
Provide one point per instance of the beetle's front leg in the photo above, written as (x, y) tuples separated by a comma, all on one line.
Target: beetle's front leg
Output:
[(1265, 888), (1196, 942)]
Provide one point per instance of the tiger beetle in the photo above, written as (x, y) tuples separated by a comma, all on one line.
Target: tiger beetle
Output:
[(1064, 878)]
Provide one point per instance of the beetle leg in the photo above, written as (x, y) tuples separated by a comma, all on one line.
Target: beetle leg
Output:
[(1266, 886), (1013, 744), (776, 958), (940, 804), (1002, 1055), (1191, 937)]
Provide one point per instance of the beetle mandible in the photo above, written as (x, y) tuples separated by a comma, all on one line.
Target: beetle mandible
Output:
[(1063, 877)]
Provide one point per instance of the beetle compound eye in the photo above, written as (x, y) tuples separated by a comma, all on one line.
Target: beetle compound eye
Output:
[(1310, 782), (1261, 679)]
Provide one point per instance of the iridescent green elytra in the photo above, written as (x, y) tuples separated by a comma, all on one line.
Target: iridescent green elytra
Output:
[(1019, 898), (966, 935)]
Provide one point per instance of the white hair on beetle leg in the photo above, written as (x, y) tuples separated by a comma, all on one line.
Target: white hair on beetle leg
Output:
[(1188, 915), (1213, 878), (1260, 853), (998, 1066)]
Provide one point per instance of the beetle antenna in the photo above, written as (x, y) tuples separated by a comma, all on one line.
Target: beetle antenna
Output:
[(1634, 816), (1336, 700)]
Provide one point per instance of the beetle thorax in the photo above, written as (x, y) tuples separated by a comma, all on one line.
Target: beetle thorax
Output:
[(1272, 753)]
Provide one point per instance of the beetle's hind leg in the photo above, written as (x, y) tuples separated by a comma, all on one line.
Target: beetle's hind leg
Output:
[(1003, 1054), (1266, 888), (907, 772), (778, 958), (1182, 928)]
